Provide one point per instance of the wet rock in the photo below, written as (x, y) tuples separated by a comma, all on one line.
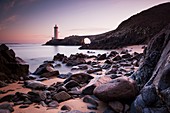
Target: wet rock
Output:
[(89, 99), (50, 74), (97, 81), (6, 106), (37, 96), (121, 88), (53, 104), (43, 103), (7, 98), (127, 55), (93, 70), (58, 57), (35, 85), (101, 57), (113, 54), (61, 96), (116, 106), (108, 61), (124, 51), (112, 71), (4, 111), (71, 84), (66, 107), (80, 78), (75, 62), (117, 58), (44, 68)]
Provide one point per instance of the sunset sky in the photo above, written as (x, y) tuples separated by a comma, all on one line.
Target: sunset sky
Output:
[(32, 21)]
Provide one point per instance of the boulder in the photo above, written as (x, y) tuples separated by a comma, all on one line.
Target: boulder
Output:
[(121, 88), (89, 99), (66, 107), (101, 57), (80, 78), (58, 57), (46, 70), (97, 81), (53, 103), (61, 96), (34, 85), (12, 68)]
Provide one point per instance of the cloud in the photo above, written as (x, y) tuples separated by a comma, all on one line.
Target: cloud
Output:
[(7, 21)]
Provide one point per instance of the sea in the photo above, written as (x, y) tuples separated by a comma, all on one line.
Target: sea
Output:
[(36, 54)]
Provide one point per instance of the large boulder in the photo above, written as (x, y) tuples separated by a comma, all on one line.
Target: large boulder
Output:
[(154, 76), (121, 88), (11, 67), (95, 82)]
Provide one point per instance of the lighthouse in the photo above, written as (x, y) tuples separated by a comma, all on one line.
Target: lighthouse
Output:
[(55, 32)]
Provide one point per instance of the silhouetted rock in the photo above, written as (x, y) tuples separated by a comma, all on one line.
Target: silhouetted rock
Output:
[(12, 68), (138, 29)]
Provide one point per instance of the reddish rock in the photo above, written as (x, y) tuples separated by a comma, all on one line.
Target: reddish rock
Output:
[(122, 88), (61, 96), (97, 81)]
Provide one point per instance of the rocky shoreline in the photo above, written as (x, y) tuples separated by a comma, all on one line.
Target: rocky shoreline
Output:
[(118, 82), (88, 73)]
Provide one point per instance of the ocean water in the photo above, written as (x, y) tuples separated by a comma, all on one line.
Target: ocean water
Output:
[(36, 54)]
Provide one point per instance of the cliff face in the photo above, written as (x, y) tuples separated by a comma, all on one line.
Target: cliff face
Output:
[(153, 76), (138, 29)]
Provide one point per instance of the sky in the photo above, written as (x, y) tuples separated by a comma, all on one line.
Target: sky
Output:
[(32, 21)]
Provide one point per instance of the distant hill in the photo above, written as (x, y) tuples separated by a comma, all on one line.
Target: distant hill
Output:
[(138, 29)]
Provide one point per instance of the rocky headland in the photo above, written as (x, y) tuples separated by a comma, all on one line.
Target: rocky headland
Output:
[(138, 29)]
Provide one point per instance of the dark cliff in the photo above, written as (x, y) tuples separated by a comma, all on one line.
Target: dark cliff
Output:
[(138, 29)]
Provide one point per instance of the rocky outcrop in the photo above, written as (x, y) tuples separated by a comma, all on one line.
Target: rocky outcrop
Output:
[(138, 29), (11, 67), (153, 76)]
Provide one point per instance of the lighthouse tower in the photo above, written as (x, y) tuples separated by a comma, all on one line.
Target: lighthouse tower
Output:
[(55, 32)]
